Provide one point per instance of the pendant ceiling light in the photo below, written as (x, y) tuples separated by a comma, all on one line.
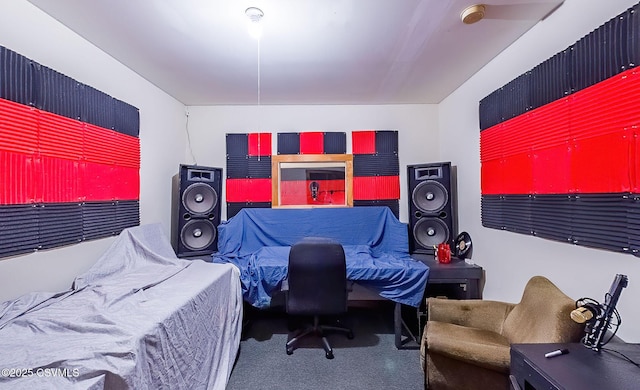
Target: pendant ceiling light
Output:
[(255, 16)]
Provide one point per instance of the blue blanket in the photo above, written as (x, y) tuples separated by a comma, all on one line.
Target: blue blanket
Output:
[(257, 241)]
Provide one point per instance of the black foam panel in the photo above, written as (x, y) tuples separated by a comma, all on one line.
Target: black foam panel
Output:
[(288, 143), (97, 107), (234, 208), (99, 219), (237, 145), (387, 142), (126, 118), (392, 204), (19, 229), (376, 164), (16, 77), (550, 80), (57, 93), (604, 221), (59, 224), (335, 143)]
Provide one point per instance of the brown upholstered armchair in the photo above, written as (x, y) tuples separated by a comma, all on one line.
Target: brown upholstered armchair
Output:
[(466, 343)]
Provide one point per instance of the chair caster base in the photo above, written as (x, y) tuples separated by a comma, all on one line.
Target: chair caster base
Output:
[(329, 355)]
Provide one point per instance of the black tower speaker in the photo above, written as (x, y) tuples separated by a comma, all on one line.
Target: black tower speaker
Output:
[(195, 211), (432, 206)]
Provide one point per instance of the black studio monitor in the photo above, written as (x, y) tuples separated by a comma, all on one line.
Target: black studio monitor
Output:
[(195, 210), (432, 206)]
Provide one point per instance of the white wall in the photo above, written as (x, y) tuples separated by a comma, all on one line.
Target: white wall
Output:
[(30, 32), (416, 125), (511, 259)]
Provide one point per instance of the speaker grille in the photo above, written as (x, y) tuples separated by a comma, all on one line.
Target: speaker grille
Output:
[(431, 231), (199, 198), (198, 234), (430, 196)]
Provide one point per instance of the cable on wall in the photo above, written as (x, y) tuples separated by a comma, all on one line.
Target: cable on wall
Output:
[(186, 128)]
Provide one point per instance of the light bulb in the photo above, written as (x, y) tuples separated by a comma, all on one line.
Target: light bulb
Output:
[(255, 16)]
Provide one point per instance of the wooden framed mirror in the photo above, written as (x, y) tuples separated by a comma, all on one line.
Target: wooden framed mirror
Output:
[(312, 180)]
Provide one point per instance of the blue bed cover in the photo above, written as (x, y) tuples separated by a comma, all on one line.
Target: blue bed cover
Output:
[(257, 241)]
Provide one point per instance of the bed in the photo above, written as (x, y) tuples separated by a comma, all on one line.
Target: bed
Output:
[(140, 318)]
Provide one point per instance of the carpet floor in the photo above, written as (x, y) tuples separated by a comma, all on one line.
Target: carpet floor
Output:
[(369, 361)]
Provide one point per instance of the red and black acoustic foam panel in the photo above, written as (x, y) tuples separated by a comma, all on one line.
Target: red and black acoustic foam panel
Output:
[(376, 169), (64, 180), (248, 183), (559, 152), (312, 142)]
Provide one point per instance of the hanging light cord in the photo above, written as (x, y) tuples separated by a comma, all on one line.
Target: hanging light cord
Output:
[(259, 40)]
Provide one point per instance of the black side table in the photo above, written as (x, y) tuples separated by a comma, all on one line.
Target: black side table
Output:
[(455, 280)]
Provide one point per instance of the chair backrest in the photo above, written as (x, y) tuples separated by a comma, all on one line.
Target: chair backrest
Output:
[(542, 316), (317, 278)]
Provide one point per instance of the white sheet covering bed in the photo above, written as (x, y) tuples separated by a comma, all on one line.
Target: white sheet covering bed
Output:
[(140, 318)]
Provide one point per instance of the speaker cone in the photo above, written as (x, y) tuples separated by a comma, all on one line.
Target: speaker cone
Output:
[(430, 231), (198, 234), (430, 196), (199, 198)]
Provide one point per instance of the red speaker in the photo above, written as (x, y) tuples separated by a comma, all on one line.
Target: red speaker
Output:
[(432, 206), (195, 211)]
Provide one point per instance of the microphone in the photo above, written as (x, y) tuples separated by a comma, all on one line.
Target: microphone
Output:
[(585, 312), (314, 187), (597, 317)]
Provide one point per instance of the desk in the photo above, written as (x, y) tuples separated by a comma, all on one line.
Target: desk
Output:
[(580, 369), (455, 280)]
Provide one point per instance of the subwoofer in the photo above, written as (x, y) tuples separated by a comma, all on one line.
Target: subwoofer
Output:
[(195, 211), (432, 206)]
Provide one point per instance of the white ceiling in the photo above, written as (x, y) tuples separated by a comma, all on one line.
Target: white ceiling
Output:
[(311, 52)]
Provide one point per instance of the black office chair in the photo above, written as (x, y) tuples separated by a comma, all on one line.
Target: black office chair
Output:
[(317, 287)]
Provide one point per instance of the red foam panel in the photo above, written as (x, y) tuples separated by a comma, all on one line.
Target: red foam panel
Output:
[(248, 190), (585, 143), (312, 142), (363, 142), (376, 187), (18, 127), (17, 178), (601, 164), (60, 137), (59, 180), (635, 162), (259, 144)]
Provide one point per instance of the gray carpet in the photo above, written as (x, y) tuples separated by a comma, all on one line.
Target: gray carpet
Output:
[(369, 361)]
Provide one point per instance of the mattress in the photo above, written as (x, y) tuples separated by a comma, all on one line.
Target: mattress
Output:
[(139, 318)]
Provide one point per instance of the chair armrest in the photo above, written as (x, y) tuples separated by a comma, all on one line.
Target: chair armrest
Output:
[(481, 314)]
